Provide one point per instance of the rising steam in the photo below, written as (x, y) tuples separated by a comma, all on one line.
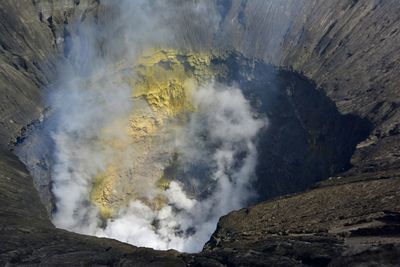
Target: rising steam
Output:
[(219, 137), (185, 224)]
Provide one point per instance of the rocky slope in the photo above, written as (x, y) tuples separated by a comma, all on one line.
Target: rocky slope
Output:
[(348, 47), (351, 223)]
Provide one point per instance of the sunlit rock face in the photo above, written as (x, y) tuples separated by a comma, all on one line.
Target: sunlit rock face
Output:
[(162, 83)]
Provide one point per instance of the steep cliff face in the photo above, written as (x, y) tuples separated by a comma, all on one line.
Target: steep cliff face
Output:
[(34, 36), (25, 67), (349, 48)]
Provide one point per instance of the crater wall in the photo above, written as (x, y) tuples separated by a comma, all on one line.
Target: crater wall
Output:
[(348, 47)]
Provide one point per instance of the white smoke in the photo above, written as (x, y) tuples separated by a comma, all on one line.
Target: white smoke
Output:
[(226, 118), (220, 135), (184, 223), (79, 156)]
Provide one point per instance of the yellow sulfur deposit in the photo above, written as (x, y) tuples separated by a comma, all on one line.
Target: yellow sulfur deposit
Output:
[(162, 82), (101, 193), (166, 78)]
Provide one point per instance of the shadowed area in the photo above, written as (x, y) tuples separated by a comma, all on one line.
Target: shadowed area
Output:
[(307, 140)]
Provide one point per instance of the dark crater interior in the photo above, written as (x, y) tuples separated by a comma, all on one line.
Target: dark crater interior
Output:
[(307, 140)]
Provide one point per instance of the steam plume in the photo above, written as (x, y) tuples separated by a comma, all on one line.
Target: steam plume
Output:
[(220, 136), (185, 224)]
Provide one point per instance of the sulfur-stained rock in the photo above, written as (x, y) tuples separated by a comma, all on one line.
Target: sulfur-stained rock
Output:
[(162, 82)]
